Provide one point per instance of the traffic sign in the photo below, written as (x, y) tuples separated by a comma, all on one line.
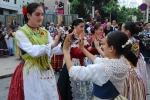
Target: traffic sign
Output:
[(143, 7)]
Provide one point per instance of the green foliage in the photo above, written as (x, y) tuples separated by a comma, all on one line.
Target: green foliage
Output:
[(124, 14), (110, 7), (84, 7), (81, 7), (74, 5)]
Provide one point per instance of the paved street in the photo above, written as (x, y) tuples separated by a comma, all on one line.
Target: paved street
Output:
[(9, 63)]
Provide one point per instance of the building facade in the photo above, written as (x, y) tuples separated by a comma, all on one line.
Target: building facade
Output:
[(12, 6), (50, 5), (15, 6)]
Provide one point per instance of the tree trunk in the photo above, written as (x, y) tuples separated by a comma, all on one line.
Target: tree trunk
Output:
[(110, 18)]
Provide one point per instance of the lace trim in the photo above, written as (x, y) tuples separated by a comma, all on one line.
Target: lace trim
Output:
[(81, 90), (116, 69), (75, 43)]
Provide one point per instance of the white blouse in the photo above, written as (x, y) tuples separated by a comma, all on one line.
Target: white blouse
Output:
[(102, 70), (37, 50)]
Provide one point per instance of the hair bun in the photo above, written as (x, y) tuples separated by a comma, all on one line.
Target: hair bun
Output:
[(127, 49)]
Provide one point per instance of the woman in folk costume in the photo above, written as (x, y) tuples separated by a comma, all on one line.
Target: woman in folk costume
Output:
[(136, 82), (98, 32), (11, 41), (3, 45), (57, 60), (34, 78), (69, 88), (107, 74)]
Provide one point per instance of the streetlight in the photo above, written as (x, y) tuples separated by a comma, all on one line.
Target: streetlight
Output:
[(93, 9)]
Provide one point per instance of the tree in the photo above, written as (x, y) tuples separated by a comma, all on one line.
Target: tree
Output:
[(122, 14), (110, 7), (84, 7), (125, 14), (73, 6), (81, 7)]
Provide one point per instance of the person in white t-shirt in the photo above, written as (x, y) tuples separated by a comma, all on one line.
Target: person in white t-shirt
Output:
[(58, 27), (66, 30)]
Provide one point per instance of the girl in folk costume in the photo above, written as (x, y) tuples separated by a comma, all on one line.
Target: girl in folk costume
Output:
[(107, 74), (136, 82), (11, 41), (57, 60), (69, 88), (34, 77), (3, 44), (98, 33)]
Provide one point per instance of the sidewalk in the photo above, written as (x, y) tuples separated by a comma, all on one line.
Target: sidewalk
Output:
[(8, 65)]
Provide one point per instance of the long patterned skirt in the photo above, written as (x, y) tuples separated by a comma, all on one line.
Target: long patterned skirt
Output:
[(16, 91), (57, 62), (134, 88), (3, 48)]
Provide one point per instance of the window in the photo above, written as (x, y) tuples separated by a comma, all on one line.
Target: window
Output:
[(6, 0), (1, 11), (10, 12), (15, 1)]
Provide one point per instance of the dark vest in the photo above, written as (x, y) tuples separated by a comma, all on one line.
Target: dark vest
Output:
[(107, 91)]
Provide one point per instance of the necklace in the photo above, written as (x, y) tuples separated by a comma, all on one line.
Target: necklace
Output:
[(33, 32), (32, 27)]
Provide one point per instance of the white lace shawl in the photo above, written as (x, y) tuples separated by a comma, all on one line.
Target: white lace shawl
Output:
[(116, 69)]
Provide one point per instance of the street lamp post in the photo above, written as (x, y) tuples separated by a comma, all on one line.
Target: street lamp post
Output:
[(93, 8)]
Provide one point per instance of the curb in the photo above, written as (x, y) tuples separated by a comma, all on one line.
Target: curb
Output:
[(5, 76)]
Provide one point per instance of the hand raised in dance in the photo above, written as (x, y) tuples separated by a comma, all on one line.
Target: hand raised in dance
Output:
[(67, 43), (81, 41), (97, 43), (57, 39)]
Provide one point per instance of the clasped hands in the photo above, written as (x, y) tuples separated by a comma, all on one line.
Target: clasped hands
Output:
[(81, 39)]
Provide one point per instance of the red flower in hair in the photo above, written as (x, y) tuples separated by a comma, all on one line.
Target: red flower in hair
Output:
[(24, 11), (42, 33)]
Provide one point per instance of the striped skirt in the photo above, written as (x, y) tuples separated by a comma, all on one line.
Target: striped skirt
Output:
[(134, 88), (57, 62)]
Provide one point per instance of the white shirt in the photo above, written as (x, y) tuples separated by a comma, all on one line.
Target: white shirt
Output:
[(102, 70), (66, 32), (60, 28), (89, 29)]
